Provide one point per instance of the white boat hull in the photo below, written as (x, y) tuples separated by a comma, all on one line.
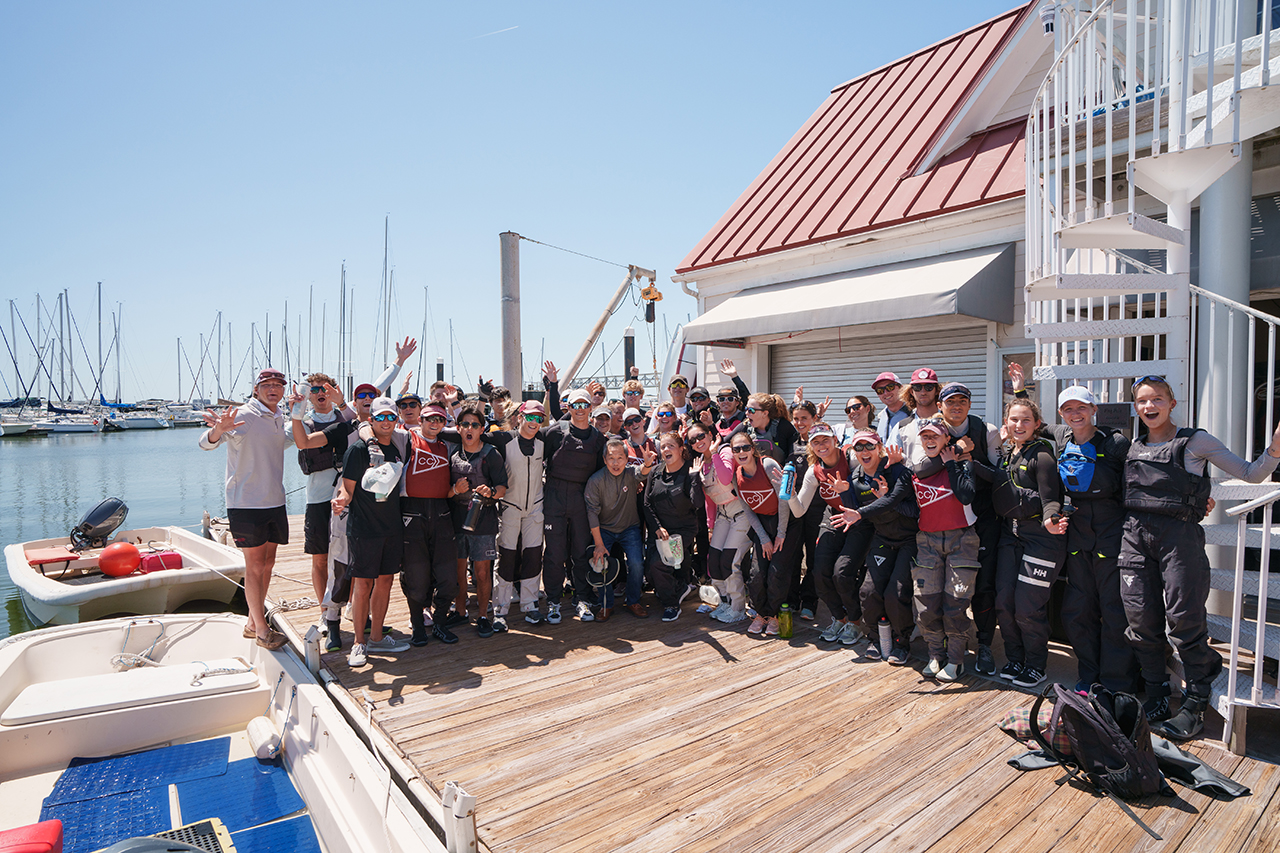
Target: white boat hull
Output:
[(66, 676), (70, 426), (140, 422), (14, 428), (65, 595)]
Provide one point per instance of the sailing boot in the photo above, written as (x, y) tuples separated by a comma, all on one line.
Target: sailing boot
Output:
[(529, 599), (418, 622), (1189, 721), (737, 590), (1157, 705)]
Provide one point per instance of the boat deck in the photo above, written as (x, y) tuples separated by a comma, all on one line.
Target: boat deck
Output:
[(650, 736)]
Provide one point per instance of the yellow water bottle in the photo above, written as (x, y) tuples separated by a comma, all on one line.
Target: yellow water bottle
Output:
[(785, 626)]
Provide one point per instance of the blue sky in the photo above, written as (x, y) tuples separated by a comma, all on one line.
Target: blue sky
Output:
[(197, 157)]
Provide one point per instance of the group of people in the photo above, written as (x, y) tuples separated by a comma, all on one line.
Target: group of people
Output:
[(914, 517)]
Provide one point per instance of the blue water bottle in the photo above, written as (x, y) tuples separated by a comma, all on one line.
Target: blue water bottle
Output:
[(788, 481)]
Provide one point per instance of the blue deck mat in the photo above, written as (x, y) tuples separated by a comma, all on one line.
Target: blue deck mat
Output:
[(93, 824), (251, 792), (91, 778), (296, 835)]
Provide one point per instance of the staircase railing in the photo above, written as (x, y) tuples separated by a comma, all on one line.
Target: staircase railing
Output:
[(1209, 311), (1260, 693), (1133, 79)]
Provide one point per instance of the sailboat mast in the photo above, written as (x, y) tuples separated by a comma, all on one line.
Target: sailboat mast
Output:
[(119, 316), (386, 294), (99, 335)]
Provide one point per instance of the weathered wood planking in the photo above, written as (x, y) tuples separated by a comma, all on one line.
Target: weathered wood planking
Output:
[(639, 735)]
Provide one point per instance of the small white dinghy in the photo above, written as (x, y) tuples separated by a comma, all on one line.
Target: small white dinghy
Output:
[(117, 732), (62, 583)]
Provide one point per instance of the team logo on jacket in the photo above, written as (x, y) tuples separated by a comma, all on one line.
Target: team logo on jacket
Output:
[(755, 499), (425, 459), (828, 492), (926, 494)]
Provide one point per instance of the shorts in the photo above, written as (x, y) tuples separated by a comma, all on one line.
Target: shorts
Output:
[(375, 557), (477, 546), (251, 528), (315, 528)]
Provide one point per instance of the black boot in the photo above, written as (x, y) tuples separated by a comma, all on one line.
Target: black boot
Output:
[(1189, 721), (1157, 705), (440, 630), (418, 623)]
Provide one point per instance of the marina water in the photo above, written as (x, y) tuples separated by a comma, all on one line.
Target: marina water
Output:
[(161, 475)]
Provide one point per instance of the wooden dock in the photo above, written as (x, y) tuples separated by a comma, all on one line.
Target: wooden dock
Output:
[(639, 735)]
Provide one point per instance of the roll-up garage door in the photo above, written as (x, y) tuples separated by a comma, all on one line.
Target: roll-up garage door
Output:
[(848, 366)]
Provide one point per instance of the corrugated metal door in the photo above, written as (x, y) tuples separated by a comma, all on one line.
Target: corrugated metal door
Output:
[(848, 366)]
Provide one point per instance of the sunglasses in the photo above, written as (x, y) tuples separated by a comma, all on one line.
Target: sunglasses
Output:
[(536, 419), (677, 385), (725, 398), (366, 395), (409, 404), (633, 422), (1151, 378), (886, 388), (434, 419), (698, 398), (632, 393), (580, 405), (864, 446), (854, 408), (470, 425), (666, 414), (746, 448), (751, 410), (316, 389), (384, 417), (694, 439)]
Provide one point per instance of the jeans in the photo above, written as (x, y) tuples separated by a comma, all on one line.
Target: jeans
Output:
[(632, 547)]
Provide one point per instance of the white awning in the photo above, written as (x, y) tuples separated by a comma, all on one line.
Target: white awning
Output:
[(975, 283)]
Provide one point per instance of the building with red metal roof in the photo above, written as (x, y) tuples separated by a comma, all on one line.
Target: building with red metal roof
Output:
[(887, 233)]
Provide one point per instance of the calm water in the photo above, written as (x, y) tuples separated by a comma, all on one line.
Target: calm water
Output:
[(51, 481)]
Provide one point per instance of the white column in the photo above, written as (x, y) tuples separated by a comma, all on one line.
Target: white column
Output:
[(510, 242)]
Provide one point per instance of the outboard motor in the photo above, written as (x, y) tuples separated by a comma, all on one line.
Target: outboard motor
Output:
[(99, 523)]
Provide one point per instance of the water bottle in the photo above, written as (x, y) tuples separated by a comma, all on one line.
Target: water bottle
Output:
[(788, 481), (473, 513), (786, 628), (886, 637)]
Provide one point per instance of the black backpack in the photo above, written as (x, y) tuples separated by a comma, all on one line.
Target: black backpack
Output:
[(1110, 743)]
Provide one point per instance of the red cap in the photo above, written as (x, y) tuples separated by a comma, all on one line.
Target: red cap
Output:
[(532, 406), (886, 377), (924, 376), (366, 387), (434, 409), (268, 373)]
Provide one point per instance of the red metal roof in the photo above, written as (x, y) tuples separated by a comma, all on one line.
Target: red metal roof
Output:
[(849, 169)]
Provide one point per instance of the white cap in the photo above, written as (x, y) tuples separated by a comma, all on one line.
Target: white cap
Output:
[(579, 395), (1076, 392), (382, 405), (631, 413)]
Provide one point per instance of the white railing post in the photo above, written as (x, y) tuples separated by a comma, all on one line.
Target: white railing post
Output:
[(1264, 572), (1177, 98)]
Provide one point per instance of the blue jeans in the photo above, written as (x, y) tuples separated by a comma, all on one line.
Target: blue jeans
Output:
[(632, 548)]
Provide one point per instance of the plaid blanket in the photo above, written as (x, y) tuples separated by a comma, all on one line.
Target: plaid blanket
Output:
[(1016, 723)]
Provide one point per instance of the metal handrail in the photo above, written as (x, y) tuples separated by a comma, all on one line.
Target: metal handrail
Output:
[(1269, 497), (1256, 694)]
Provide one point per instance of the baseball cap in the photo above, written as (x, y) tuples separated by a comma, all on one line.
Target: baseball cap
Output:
[(365, 387), (434, 409), (951, 389), (579, 395), (408, 395), (532, 406), (602, 411), (268, 373), (631, 413), (1076, 392), (932, 425), (382, 405), (866, 435), (886, 377), (924, 376), (821, 428), (678, 378)]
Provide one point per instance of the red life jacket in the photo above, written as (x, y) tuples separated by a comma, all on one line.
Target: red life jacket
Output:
[(940, 509), (427, 473), (825, 490), (757, 491)]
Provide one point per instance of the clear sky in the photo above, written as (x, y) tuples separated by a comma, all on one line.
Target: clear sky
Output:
[(229, 156)]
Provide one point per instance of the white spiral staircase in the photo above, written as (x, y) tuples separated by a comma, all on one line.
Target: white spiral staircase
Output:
[(1143, 109)]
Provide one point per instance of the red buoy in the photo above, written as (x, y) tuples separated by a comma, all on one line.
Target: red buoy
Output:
[(119, 559)]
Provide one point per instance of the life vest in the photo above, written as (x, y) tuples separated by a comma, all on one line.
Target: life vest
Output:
[(426, 475), (757, 491), (826, 491), (1015, 495), (313, 459), (940, 509), (1086, 472), (1156, 480)]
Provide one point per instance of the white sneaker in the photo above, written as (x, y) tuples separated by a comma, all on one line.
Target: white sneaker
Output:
[(357, 656), (733, 616), (951, 672), (584, 612), (387, 645), (833, 631), (932, 668), (718, 613), (850, 634), (553, 614)]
